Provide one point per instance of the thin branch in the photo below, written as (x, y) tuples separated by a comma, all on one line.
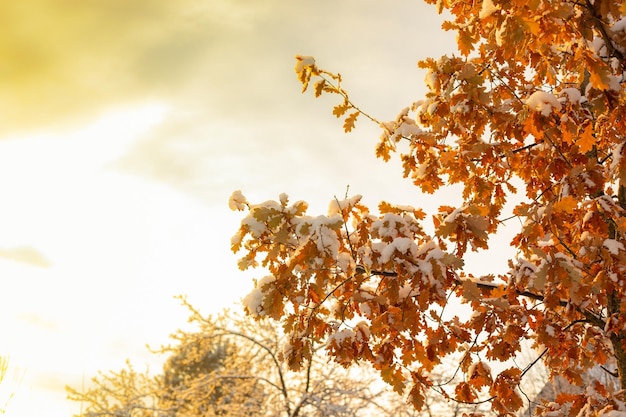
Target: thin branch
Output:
[(614, 374), (344, 94), (489, 286), (345, 224), (605, 35), (530, 365), (283, 385), (555, 146)]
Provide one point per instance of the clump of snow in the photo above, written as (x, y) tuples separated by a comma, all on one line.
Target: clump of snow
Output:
[(434, 252), (389, 225), (365, 255), (237, 201), (345, 262), (597, 45), (340, 336), (327, 240), (615, 83), (613, 246), (425, 267), (403, 127), (546, 241), (501, 30), (365, 309), (620, 25), (543, 102), (426, 106), (363, 329), (432, 108), (607, 204), (255, 227), (523, 269), (322, 231), (304, 61), (400, 244), (461, 107), (616, 64), (336, 206), (431, 79), (450, 218), (573, 95), (586, 218), (616, 156), (253, 302), (406, 129), (487, 9)]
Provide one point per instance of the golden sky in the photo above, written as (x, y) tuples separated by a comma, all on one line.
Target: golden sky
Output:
[(125, 125)]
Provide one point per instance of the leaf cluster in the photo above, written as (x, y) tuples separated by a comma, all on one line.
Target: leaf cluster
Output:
[(528, 115)]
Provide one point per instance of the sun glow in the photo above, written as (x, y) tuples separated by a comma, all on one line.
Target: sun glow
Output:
[(64, 214)]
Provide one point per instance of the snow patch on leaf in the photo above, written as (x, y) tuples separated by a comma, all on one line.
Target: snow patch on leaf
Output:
[(573, 95), (303, 61), (487, 9), (253, 302), (400, 244), (543, 102), (345, 262), (337, 206), (339, 337), (620, 25), (613, 246), (237, 201)]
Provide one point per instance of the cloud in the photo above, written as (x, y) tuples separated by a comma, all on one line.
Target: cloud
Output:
[(240, 114), (224, 69), (26, 255), (39, 321), (66, 60)]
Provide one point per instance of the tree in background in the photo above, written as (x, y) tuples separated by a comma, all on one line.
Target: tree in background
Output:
[(531, 113), (120, 394), (231, 366), (253, 379), (195, 380), (4, 366)]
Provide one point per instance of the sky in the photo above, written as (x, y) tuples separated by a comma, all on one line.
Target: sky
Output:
[(124, 128)]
